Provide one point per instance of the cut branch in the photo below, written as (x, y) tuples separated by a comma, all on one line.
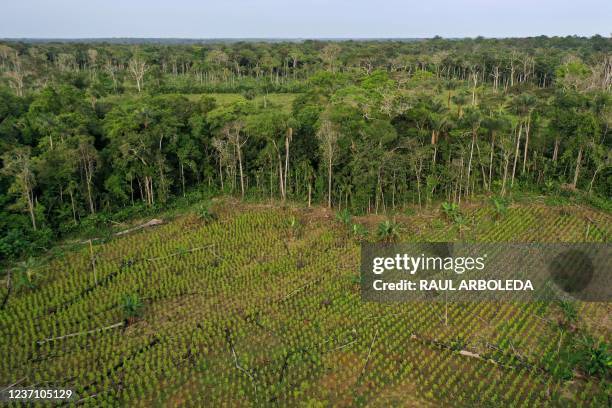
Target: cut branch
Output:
[(113, 326), (148, 224)]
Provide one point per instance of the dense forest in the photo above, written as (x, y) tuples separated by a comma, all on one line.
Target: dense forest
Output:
[(90, 132)]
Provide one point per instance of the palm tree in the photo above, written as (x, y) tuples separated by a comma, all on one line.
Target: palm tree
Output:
[(460, 100), (439, 124)]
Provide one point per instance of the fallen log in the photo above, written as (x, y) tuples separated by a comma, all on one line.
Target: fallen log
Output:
[(369, 354), (112, 326), (469, 354), (148, 224), (13, 384)]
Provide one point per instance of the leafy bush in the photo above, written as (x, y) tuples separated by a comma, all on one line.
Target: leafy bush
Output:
[(569, 311), (294, 226), (27, 277), (344, 217), (388, 231), (359, 231), (500, 204), (205, 213), (451, 210), (132, 307), (593, 357), (16, 243)]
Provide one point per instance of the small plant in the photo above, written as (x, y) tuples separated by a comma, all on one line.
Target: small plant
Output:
[(500, 205), (359, 231), (408, 211), (132, 307), (457, 344), (569, 311), (550, 187), (437, 223), (26, 274), (451, 210), (205, 213), (344, 217), (454, 215), (295, 227), (594, 357), (388, 231), (294, 223), (461, 221)]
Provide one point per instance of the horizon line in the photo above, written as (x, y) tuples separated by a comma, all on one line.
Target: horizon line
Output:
[(301, 38)]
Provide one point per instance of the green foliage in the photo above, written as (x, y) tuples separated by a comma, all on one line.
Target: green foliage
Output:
[(407, 123), (451, 210), (294, 227), (359, 232), (27, 274), (388, 231), (500, 205), (205, 212), (132, 306), (344, 217), (195, 277), (593, 357), (82, 137), (569, 311)]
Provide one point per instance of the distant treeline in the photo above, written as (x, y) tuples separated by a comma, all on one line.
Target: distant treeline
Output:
[(90, 130)]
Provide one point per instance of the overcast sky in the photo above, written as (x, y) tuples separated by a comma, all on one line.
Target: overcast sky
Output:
[(303, 18)]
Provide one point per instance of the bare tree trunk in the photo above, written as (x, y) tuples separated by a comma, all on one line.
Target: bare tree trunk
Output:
[(281, 182), (577, 170), (89, 197), (241, 173), (516, 153), (491, 159), (221, 174), (418, 177), (593, 179), (329, 181), (434, 142), (556, 150), (288, 138), (72, 204), (484, 178), (469, 170), (182, 177), (506, 164), (526, 143), (30, 195)]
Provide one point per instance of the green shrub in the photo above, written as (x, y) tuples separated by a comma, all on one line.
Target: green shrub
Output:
[(500, 205), (388, 231), (451, 210), (359, 231), (205, 213), (344, 217), (132, 306)]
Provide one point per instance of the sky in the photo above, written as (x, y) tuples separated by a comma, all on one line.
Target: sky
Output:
[(303, 18)]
